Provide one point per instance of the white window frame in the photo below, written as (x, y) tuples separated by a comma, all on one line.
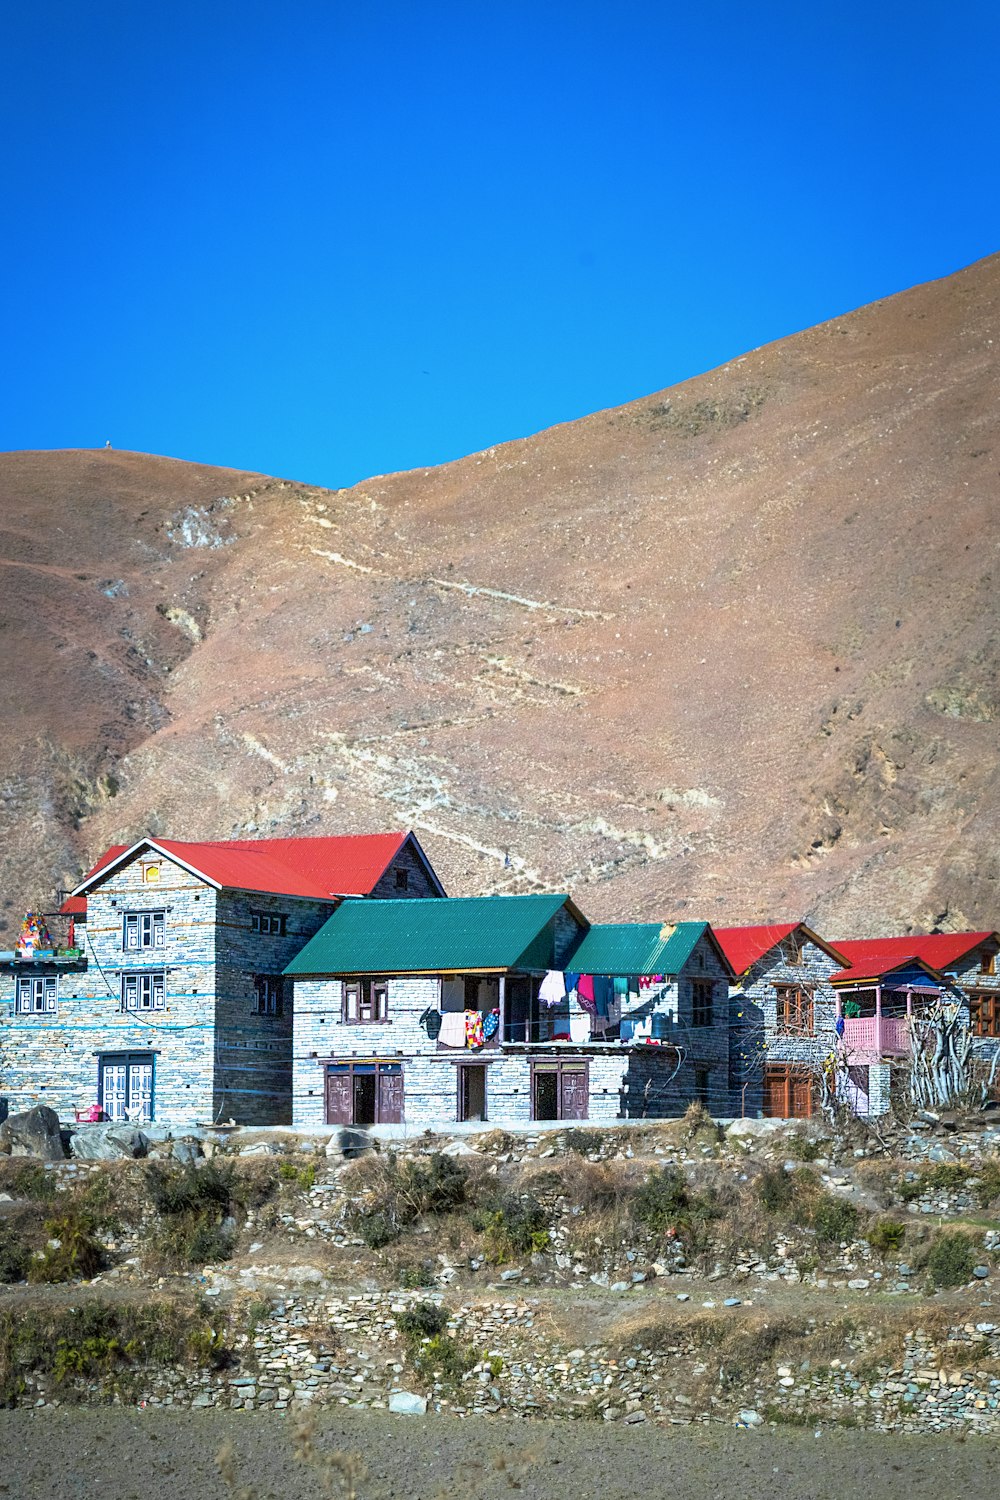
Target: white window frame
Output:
[(147, 928), (37, 994), (268, 995), (269, 923), (144, 989)]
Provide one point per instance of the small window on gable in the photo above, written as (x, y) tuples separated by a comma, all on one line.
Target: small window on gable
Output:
[(37, 995), (700, 959), (151, 873), (793, 951), (401, 878), (271, 923), (701, 1002), (987, 961)]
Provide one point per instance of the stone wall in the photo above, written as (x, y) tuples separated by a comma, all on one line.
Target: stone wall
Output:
[(418, 882), (757, 1038), (253, 1078), (53, 1059)]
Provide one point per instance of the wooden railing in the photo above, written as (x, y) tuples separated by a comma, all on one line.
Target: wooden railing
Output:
[(867, 1037)]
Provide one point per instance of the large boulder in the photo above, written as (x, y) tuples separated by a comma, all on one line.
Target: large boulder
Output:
[(107, 1142), (35, 1133)]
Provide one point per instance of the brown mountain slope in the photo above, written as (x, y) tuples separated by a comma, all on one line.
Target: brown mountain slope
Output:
[(730, 651)]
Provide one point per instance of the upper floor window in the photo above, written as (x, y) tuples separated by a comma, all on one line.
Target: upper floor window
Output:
[(401, 878), (273, 923), (144, 929), (794, 1009), (366, 1000), (151, 873), (793, 952), (144, 991), (38, 995), (984, 1012), (701, 1002), (268, 996), (987, 961)]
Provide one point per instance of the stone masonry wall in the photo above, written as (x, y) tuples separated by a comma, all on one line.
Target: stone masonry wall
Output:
[(759, 1038), (53, 1059), (418, 882), (253, 1080)]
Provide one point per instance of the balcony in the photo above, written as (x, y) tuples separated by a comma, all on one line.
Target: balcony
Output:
[(868, 1038)]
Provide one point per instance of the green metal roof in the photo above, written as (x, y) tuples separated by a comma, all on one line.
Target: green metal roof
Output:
[(636, 948), (425, 936)]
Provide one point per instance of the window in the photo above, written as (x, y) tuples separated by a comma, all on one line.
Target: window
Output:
[(401, 878), (144, 929), (701, 1002), (366, 1000), (272, 923), (267, 995), (702, 1085), (987, 961), (36, 996), (151, 874), (143, 991), (984, 1012), (793, 952), (794, 1009)]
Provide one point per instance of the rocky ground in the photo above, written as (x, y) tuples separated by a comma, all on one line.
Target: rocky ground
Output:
[(657, 1276)]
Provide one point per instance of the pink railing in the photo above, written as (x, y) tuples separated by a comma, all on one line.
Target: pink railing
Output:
[(876, 1036)]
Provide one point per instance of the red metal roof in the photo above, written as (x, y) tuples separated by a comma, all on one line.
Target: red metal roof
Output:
[(879, 965), (743, 946), (940, 950), (321, 868)]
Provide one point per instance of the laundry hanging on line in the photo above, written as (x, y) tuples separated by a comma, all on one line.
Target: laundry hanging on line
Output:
[(552, 989)]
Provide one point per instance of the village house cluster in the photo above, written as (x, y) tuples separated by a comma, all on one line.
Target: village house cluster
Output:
[(330, 981)]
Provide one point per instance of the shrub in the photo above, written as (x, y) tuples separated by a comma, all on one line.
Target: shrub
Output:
[(444, 1358), (29, 1179), (802, 1147), (583, 1142), (415, 1274), (941, 1177), (775, 1188), (886, 1237), (303, 1177), (665, 1202), (834, 1219), (988, 1184), (951, 1258), (14, 1257), (512, 1224), (395, 1192), (72, 1251), (422, 1320)]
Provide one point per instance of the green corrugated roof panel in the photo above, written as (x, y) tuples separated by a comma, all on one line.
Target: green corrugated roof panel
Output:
[(635, 948), (419, 936)]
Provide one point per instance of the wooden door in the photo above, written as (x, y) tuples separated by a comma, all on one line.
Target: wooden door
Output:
[(801, 1092), (339, 1097), (575, 1095), (390, 1096), (140, 1089), (114, 1089)]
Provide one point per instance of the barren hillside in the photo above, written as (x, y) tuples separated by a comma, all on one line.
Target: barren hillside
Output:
[(729, 651)]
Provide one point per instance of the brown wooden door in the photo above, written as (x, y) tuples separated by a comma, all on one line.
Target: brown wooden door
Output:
[(575, 1102), (339, 1098), (390, 1097), (801, 1093)]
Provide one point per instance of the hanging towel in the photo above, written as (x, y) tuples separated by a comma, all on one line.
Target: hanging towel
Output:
[(621, 986), (603, 995), (552, 988), (571, 981), (579, 1027), (491, 1024), (452, 1033), (585, 987), (473, 1028)]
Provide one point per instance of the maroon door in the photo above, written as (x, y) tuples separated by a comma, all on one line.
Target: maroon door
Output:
[(575, 1093), (390, 1096), (339, 1097)]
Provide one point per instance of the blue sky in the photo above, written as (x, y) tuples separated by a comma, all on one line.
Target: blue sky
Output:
[(328, 241)]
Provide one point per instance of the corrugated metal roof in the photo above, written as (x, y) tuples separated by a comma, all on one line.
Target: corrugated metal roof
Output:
[(636, 948), (880, 965), (942, 950), (744, 945), (321, 868), (409, 937)]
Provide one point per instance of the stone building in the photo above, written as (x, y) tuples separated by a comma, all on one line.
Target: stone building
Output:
[(170, 1003), (784, 1012), (479, 1009)]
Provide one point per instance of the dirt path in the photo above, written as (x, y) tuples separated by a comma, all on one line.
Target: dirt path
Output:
[(159, 1455)]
